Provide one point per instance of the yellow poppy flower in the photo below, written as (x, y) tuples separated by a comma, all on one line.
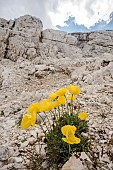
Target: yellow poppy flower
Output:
[(52, 96), (34, 108), (68, 129), (82, 115), (71, 140), (69, 132), (73, 89), (55, 104), (33, 120), (44, 101), (45, 105), (28, 120), (61, 92), (61, 100), (71, 97)]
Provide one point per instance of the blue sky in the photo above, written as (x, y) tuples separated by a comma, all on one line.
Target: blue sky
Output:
[(67, 15), (72, 26)]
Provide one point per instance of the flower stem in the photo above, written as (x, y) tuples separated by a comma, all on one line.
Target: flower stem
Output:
[(69, 149), (42, 128), (72, 104), (59, 111), (62, 110), (48, 120), (56, 115), (67, 104), (43, 121)]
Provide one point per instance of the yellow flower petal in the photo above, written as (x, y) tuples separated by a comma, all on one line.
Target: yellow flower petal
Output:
[(61, 100), (26, 121), (44, 101), (71, 97), (55, 104), (61, 92), (76, 140), (68, 129), (82, 115), (34, 107), (67, 141), (73, 140), (69, 132), (33, 119), (73, 89), (46, 105), (52, 96)]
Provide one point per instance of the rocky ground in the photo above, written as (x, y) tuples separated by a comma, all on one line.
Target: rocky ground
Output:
[(34, 63)]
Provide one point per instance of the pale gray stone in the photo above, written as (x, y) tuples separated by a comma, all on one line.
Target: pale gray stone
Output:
[(4, 153), (40, 67), (78, 72), (40, 149), (18, 159), (11, 160), (54, 35), (31, 140), (105, 158), (33, 133), (35, 62), (28, 24), (74, 164), (44, 165), (24, 144), (84, 156), (1, 164), (10, 123)]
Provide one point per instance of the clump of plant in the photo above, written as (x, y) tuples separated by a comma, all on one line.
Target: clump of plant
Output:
[(63, 124), (36, 161)]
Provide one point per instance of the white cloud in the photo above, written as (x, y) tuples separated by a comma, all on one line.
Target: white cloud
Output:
[(10, 9), (55, 12), (86, 12)]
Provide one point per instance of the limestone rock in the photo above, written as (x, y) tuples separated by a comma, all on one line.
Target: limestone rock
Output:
[(3, 23), (4, 35), (28, 24), (41, 74), (78, 73), (40, 149), (44, 165), (24, 144), (18, 159), (4, 153), (74, 164), (40, 67), (105, 158), (33, 133), (54, 35), (84, 156), (10, 123), (35, 62)]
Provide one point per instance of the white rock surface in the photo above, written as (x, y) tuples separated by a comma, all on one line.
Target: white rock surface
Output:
[(4, 154), (24, 144), (40, 149), (35, 62), (74, 164)]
